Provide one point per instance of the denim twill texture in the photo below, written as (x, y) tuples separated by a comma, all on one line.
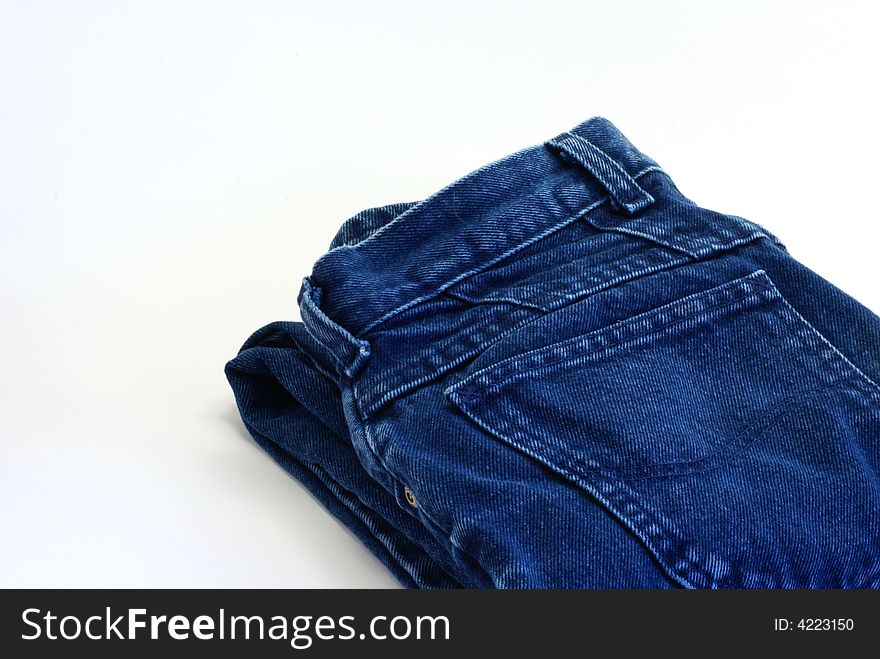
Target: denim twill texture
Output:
[(558, 371)]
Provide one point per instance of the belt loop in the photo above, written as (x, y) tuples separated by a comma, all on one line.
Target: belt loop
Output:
[(625, 192), (350, 352)]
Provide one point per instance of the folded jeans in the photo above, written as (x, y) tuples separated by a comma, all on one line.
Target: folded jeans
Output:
[(559, 372)]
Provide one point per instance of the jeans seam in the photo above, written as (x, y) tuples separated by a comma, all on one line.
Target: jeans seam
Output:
[(370, 405), (488, 264), (570, 351), (749, 436), (606, 276), (447, 536), (318, 469), (483, 266)]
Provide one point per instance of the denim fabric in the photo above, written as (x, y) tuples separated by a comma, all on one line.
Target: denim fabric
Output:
[(560, 372)]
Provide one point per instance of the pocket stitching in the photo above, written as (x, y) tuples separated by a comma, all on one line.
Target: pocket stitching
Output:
[(616, 494), (757, 430), (752, 287), (749, 435), (609, 486), (469, 395), (804, 327)]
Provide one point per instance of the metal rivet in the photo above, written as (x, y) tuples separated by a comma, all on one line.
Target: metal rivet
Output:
[(410, 497)]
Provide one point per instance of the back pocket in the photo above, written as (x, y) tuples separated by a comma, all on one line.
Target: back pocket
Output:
[(733, 439)]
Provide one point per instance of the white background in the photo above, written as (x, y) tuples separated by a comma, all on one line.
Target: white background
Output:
[(170, 170)]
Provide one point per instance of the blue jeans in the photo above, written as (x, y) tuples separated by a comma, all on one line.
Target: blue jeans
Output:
[(560, 372)]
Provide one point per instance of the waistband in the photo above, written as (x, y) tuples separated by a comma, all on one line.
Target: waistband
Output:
[(412, 252)]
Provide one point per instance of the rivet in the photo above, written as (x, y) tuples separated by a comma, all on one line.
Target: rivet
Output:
[(410, 497)]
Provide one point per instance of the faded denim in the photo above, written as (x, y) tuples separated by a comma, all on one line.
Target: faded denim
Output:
[(559, 372)]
